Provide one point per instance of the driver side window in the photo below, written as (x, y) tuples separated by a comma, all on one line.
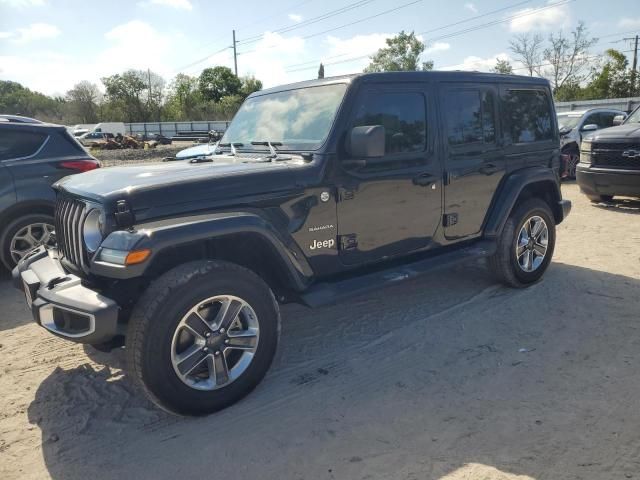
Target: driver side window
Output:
[(403, 116)]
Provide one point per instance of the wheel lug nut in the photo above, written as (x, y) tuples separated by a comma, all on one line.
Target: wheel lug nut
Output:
[(218, 352), (226, 341), (222, 330), (208, 334), (205, 349)]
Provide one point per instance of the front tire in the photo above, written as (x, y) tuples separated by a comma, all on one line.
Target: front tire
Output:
[(526, 245), (202, 337)]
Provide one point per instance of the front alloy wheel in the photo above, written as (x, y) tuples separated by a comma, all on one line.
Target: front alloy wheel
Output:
[(202, 336), (532, 244), (215, 342)]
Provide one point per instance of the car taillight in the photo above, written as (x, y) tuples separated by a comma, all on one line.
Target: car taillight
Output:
[(80, 165)]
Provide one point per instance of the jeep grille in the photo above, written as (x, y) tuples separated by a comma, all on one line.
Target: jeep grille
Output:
[(69, 217)]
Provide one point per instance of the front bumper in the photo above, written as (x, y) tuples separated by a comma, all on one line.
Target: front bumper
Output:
[(60, 302), (608, 181)]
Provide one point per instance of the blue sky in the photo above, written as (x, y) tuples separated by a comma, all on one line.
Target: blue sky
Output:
[(49, 45)]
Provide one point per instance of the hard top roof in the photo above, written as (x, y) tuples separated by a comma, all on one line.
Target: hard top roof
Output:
[(451, 76)]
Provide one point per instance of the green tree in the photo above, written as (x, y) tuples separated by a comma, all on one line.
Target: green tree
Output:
[(249, 85), (503, 66), (184, 101), (82, 102), (18, 100), (612, 80), (217, 82), (125, 99), (402, 53)]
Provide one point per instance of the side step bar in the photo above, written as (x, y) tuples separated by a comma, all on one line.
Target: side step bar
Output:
[(328, 293)]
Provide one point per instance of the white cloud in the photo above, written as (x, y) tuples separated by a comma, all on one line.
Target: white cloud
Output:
[(471, 7), (437, 47), (530, 19), (629, 23), (23, 3), (267, 60), (341, 50), (473, 63), (169, 48), (295, 17), (34, 32), (178, 4)]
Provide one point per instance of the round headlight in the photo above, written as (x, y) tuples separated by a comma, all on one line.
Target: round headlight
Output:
[(92, 230)]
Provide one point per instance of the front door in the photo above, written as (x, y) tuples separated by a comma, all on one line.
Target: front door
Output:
[(392, 204), (474, 160)]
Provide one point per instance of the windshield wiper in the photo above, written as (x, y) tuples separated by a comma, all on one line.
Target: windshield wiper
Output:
[(233, 146), (272, 148)]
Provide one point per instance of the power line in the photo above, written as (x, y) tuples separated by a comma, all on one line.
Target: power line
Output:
[(497, 22), (391, 10), (454, 34), (311, 21)]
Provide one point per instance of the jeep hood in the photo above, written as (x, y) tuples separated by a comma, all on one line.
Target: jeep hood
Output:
[(627, 132), (161, 189)]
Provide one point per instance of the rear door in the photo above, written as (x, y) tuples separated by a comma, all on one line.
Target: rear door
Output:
[(474, 160)]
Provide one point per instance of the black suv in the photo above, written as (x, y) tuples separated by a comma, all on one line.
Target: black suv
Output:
[(317, 191), (33, 155), (610, 161)]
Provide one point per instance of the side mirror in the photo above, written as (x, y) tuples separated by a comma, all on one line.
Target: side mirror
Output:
[(618, 119), (367, 141), (590, 128)]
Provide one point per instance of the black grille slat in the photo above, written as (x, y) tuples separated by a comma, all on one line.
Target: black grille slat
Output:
[(69, 215)]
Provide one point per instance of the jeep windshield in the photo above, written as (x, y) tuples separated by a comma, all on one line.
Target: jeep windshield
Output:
[(297, 119)]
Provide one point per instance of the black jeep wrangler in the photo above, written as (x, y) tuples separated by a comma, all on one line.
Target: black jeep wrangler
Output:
[(317, 191)]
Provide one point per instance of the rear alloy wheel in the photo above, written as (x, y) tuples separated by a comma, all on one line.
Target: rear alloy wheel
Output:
[(526, 244), (532, 244), (23, 235)]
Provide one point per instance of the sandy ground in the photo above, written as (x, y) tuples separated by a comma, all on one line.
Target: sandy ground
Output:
[(448, 377)]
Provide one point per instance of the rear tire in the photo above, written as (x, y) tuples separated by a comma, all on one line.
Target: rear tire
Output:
[(518, 261), (159, 342), (23, 234)]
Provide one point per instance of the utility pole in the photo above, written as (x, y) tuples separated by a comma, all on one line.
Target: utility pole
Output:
[(634, 70), (235, 54)]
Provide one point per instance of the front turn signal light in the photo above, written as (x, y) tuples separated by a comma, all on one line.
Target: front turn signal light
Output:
[(137, 256)]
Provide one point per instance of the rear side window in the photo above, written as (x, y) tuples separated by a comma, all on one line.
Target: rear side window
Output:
[(470, 117), (19, 143), (403, 116), (527, 116)]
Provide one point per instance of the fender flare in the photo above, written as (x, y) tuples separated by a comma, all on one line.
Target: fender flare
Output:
[(512, 187), (161, 236)]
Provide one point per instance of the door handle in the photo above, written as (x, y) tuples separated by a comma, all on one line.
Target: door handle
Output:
[(489, 169), (423, 180)]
